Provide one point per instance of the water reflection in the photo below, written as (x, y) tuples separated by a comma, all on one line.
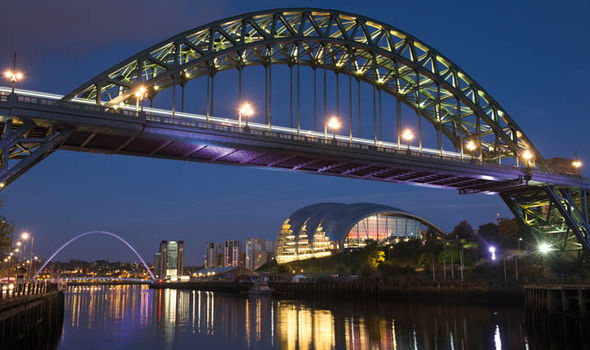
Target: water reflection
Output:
[(135, 317)]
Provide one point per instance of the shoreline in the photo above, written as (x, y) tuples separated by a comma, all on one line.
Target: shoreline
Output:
[(449, 292)]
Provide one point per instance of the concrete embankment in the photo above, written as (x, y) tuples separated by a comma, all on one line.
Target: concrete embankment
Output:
[(31, 321), (449, 291), (445, 291)]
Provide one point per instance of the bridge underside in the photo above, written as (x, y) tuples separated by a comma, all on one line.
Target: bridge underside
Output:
[(547, 204)]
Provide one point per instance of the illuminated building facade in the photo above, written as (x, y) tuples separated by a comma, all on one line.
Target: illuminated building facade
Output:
[(320, 229), (232, 255), (171, 259)]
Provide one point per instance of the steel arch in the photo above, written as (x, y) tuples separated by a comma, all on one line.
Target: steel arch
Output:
[(90, 233), (366, 49)]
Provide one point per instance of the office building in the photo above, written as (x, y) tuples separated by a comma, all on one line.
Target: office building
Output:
[(232, 253), (171, 259), (214, 255)]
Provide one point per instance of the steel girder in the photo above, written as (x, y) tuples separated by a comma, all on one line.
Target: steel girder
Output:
[(23, 145), (368, 50), (556, 214)]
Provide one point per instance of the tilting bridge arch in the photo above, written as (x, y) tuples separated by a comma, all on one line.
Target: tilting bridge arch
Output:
[(93, 233), (491, 152)]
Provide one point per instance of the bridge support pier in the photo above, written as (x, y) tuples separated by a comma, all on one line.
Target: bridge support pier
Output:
[(24, 144), (559, 214)]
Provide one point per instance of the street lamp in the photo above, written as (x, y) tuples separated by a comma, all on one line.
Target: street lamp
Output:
[(139, 95), (471, 146), (528, 156), (545, 248), (247, 111), (577, 164), (334, 125), (12, 74), (408, 136), (492, 251), (25, 236)]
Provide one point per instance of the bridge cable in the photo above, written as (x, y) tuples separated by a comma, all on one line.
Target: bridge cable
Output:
[(207, 98), (182, 99), (240, 97), (439, 119), (337, 95), (380, 117), (398, 115), (298, 98), (350, 107), (212, 93), (265, 93), (173, 99), (419, 111), (315, 100), (325, 107), (374, 118), (270, 96), (358, 89), (291, 94)]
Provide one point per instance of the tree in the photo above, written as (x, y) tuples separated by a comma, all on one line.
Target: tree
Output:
[(462, 231), (6, 230), (373, 256), (508, 232)]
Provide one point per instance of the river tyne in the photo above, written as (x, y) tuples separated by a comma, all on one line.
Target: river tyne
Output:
[(136, 317)]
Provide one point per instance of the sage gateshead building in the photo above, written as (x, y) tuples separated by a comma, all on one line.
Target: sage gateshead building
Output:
[(318, 230)]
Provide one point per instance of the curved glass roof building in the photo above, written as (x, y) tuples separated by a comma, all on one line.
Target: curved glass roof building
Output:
[(319, 229)]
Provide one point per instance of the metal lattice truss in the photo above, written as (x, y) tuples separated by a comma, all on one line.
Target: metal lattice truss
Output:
[(379, 54), (23, 145), (558, 214)]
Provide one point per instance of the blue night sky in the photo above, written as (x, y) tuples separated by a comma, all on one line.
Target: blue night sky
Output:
[(532, 56)]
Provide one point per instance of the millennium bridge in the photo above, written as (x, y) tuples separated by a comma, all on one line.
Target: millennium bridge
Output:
[(137, 107)]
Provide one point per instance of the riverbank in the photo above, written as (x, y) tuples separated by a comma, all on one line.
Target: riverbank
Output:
[(443, 291), (31, 321)]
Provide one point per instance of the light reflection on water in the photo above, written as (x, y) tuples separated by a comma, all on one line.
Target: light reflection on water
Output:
[(135, 317)]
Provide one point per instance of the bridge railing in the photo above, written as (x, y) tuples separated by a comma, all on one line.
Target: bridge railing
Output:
[(13, 290)]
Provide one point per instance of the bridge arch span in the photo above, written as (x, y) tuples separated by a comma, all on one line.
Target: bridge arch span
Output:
[(371, 51), (91, 233)]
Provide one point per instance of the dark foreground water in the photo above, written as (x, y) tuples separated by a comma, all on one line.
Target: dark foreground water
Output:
[(135, 317)]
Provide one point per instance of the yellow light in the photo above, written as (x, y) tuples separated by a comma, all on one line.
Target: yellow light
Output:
[(577, 164), (140, 92), (471, 146), (17, 250), (7, 74), (527, 155), (18, 244), (408, 135), (246, 110), (25, 235), (334, 123), (19, 75)]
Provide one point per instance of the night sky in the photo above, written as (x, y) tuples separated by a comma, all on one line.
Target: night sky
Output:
[(532, 56)]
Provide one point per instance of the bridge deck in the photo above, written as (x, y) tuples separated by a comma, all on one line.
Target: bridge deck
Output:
[(190, 137)]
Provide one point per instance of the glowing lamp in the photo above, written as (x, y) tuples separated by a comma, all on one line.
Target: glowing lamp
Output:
[(334, 124), (544, 248), (408, 135)]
